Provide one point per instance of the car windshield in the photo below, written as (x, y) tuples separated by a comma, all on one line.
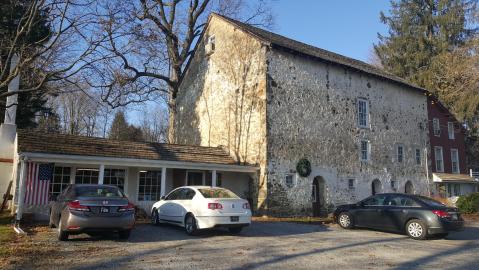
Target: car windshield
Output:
[(98, 191), (430, 201), (217, 193)]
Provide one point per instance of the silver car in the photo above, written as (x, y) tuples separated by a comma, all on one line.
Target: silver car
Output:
[(90, 209)]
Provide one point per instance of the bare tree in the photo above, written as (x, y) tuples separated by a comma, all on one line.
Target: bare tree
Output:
[(154, 124), (152, 40), (68, 48)]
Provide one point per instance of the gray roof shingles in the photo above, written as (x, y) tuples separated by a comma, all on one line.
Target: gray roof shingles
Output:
[(50, 143)]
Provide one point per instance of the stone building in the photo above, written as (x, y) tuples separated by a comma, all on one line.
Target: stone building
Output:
[(271, 101)]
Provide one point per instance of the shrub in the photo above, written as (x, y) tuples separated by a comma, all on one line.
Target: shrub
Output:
[(469, 204)]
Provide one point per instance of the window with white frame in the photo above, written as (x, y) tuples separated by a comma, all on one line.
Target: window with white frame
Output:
[(365, 150), (149, 186), (115, 177), (450, 130), (86, 176), (363, 113), (400, 153), (60, 180), (289, 180), (436, 127), (439, 158), (455, 161), (351, 183), (418, 156), (195, 178)]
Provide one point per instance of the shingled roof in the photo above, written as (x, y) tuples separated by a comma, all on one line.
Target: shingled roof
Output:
[(283, 42), (49, 143)]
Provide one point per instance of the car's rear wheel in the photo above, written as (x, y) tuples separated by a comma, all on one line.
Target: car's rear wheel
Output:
[(416, 229), (125, 234), (345, 220), (62, 235), (235, 230), (191, 227), (155, 218)]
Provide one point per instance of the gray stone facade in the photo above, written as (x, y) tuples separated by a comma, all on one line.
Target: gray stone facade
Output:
[(272, 107)]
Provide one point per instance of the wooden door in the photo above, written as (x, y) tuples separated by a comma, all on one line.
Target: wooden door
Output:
[(315, 193)]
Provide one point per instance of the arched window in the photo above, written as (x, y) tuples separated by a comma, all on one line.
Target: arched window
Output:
[(376, 187), (408, 188)]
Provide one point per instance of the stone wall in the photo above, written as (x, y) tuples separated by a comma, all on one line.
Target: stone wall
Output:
[(312, 113), (221, 101)]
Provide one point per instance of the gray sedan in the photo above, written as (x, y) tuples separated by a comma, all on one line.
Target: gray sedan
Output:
[(92, 208)]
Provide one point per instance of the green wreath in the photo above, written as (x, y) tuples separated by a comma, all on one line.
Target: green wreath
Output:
[(303, 167)]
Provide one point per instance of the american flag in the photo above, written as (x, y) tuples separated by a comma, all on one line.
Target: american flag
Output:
[(38, 183)]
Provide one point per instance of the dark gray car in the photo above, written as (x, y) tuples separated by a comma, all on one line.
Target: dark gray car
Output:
[(417, 216), (92, 208)]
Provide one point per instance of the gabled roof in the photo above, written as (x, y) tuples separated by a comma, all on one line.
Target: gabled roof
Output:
[(276, 40), (49, 143)]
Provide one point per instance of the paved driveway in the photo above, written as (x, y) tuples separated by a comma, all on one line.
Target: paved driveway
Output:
[(261, 246)]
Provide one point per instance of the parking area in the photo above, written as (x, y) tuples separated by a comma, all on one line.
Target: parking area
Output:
[(276, 245)]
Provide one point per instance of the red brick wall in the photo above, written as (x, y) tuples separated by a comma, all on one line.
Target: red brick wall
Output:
[(436, 110)]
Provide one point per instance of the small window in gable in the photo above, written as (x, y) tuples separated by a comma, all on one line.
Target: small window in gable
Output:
[(450, 130), (363, 113), (436, 127)]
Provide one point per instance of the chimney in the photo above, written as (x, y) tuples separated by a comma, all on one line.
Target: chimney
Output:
[(8, 128)]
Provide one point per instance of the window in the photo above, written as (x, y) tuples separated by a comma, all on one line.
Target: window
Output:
[(96, 191), (403, 201), (149, 187), (351, 183), (400, 153), (187, 194), (418, 156), (115, 177), (453, 190), (439, 159), (217, 193), (455, 161), (61, 179), (86, 176), (377, 200), (393, 184), (289, 180), (450, 130), (365, 150), (363, 113), (174, 195), (436, 127), (195, 178)]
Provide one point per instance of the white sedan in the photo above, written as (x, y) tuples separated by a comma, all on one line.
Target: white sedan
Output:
[(202, 207)]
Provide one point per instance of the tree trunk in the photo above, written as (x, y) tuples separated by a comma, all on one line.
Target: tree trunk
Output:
[(172, 105)]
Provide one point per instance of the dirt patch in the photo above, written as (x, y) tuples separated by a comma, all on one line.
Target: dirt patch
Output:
[(471, 217)]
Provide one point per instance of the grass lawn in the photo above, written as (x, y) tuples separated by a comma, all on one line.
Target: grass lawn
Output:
[(7, 235)]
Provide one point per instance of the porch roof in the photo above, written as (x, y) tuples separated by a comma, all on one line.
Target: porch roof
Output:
[(453, 178), (93, 148)]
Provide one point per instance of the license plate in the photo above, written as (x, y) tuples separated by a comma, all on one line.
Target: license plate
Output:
[(234, 219), (104, 210), (454, 216)]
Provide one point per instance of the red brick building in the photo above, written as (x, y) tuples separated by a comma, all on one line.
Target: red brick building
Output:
[(448, 152)]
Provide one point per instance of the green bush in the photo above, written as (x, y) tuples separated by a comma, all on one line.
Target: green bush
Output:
[(469, 204)]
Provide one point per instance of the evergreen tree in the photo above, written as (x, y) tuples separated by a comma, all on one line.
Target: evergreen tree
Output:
[(30, 105), (419, 30), (121, 130)]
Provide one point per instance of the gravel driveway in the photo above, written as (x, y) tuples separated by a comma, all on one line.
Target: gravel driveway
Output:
[(261, 246)]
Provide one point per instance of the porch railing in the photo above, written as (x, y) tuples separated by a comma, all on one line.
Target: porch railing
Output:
[(474, 174)]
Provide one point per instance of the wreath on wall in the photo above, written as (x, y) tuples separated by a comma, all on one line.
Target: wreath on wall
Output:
[(303, 167)]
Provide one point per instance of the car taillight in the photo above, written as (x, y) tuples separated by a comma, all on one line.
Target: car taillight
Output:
[(441, 213), (214, 206), (76, 206), (128, 207), (245, 205)]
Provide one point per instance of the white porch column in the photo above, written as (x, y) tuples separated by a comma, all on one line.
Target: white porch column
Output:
[(213, 178), (101, 174), (21, 189), (163, 182)]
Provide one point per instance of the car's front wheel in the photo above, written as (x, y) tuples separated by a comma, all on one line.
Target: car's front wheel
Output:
[(235, 230), (155, 218), (345, 220), (416, 229), (62, 235), (125, 234), (191, 227)]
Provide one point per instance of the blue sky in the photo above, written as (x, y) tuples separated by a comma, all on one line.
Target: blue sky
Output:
[(347, 27)]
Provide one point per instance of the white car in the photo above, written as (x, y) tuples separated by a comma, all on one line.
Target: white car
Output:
[(202, 207)]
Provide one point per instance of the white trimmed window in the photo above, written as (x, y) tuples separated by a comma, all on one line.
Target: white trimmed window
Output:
[(60, 180), (439, 158), (365, 148), (450, 130), (418, 156), (195, 178), (86, 176), (351, 183), (149, 186), (363, 113), (115, 177), (436, 127), (455, 161), (400, 153), (289, 180)]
